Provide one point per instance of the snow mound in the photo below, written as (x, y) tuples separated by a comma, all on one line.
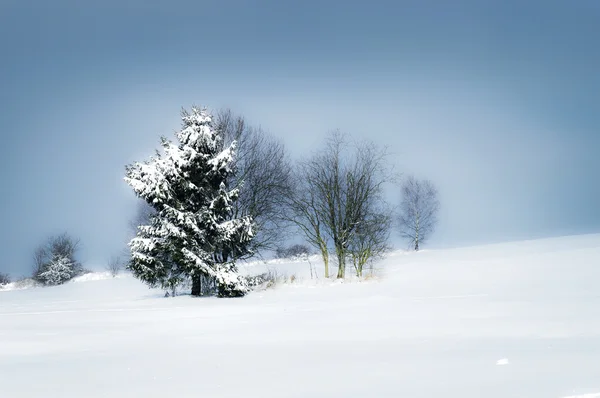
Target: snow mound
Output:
[(94, 276)]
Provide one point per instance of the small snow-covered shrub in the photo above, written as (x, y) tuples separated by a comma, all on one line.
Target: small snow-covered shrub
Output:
[(255, 280), (4, 279), (58, 271), (55, 260)]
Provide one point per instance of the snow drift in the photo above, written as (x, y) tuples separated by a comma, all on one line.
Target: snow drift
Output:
[(436, 323)]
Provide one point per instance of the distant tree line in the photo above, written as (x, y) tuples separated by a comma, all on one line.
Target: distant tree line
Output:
[(293, 251)]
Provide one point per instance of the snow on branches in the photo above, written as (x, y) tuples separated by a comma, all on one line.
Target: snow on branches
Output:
[(59, 270), (193, 232)]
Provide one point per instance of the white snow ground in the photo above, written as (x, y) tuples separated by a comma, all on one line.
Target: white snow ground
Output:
[(510, 320)]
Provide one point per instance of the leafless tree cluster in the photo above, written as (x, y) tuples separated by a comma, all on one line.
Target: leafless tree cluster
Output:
[(338, 202), (4, 279), (418, 210)]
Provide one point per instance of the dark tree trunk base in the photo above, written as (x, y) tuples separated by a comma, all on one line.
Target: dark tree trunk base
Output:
[(197, 285)]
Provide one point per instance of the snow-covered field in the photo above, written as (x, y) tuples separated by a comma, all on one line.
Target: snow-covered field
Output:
[(510, 320)]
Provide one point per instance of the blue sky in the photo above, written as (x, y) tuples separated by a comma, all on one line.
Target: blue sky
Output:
[(496, 102)]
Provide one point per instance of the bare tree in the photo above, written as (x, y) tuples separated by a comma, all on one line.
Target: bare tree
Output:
[(337, 190), (40, 258), (114, 266), (307, 210), (418, 210), (263, 174)]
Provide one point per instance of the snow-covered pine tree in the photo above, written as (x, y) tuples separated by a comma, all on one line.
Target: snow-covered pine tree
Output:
[(193, 232), (58, 271)]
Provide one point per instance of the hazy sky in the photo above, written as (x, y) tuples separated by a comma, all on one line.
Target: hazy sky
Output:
[(495, 101)]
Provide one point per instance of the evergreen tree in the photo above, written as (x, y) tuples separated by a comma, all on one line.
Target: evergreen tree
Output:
[(58, 271), (192, 232)]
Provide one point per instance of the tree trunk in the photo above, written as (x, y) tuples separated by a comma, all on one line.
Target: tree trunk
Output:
[(325, 255), (197, 284), (341, 267), (417, 233)]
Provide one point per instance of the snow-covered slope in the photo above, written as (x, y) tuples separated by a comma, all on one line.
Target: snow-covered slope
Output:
[(509, 320)]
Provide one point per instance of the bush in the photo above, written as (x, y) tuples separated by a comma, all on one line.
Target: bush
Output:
[(57, 271), (292, 252), (254, 281), (4, 279), (54, 260)]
